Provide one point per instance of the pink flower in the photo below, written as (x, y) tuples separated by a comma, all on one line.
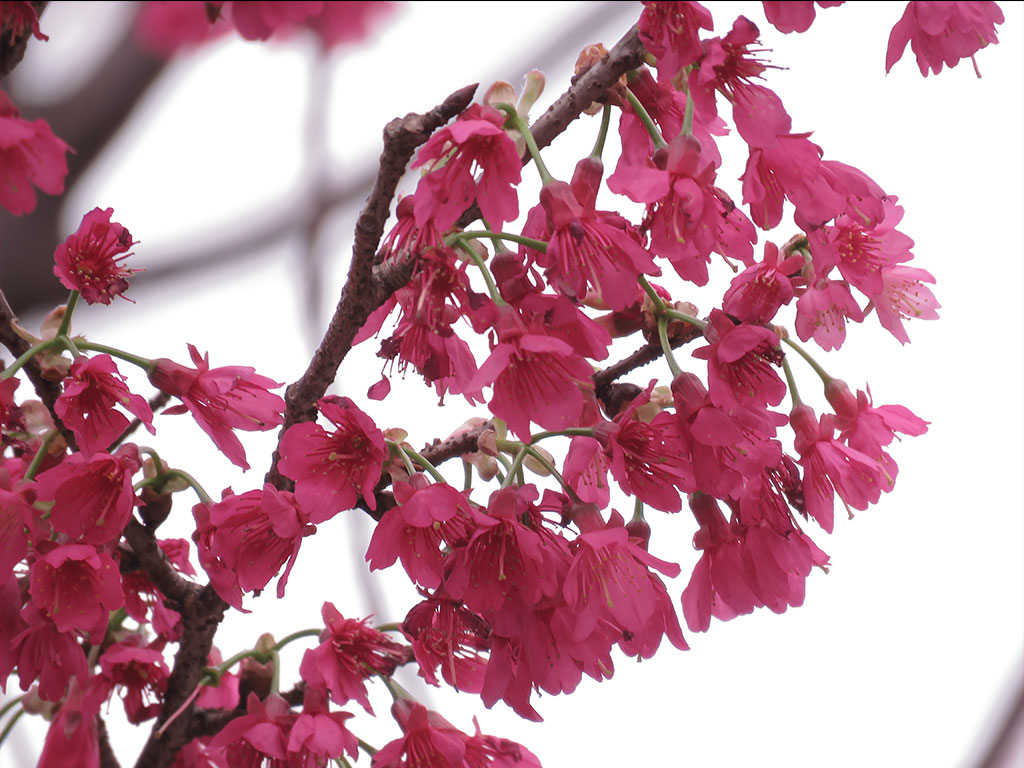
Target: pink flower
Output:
[(822, 312), (793, 16), (428, 741), (248, 538), (904, 296), (943, 33), (670, 31), (610, 581), (221, 400), (332, 470), (348, 22), (829, 466), (77, 586), (259, 737), (87, 406), (19, 527), (728, 66), (536, 377), (319, 734), (757, 293), (92, 497), (740, 364), (475, 141), (682, 207), (350, 651), (74, 732), (141, 673), (446, 634), (165, 27), (585, 250), (426, 519), (645, 457), (29, 155), (87, 261), (45, 655)]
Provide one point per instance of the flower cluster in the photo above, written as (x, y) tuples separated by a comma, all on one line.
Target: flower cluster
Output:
[(525, 583)]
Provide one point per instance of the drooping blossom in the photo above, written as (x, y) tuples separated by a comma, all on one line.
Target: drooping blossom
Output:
[(446, 635), (832, 468), (163, 28), (757, 293), (426, 519), (905, 296), (670, 31), (30, 155), (333, 470), (319, 735), (822, 312), (536, 378), (350, 651), (87, 406), (141, 674), (682, 208), (943, 33), (245, 539), (88, 260), (259, 737), (794, 16), (348, 22), (74, 731), (77, 586), (585, 249), (610, 581), (475, 141), (260, 19), (19, 527), (645, 457), (221, 400), (46, 656), (741, 360), (92, 496), (729, 65)]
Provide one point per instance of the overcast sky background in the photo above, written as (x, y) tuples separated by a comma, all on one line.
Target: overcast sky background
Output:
[(906, 651)]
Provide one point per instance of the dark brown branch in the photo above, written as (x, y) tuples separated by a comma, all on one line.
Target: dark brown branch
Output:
[(361, 296), (107, 757)]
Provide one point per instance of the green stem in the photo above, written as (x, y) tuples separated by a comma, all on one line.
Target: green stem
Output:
[(10, 724), (659, 303), (531, 144), (567, 432), (687, 128), (810, 360), (791, 382), (10, 705), (200, 491), (675, 314), (143, 362), (666, 347), (652, 129), (391, 627), (406, 461), (515, 466), (65, 322), (371, 751), (275, 672), (467, 475), (476, 234), (296, 636), (37, 460), (638, 509), (430, 468), (31, 352), (492, 287), (602, 134)]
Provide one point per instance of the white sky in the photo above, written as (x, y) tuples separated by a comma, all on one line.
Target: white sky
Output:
[(902, 654)]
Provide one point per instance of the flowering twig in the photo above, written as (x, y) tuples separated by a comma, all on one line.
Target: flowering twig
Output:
[(361, 294)]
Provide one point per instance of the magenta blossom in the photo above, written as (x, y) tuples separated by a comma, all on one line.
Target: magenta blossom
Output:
[(943, 33), (88, 260), (221, 400), (87, 407), (30, 155), (77, 586), (670, 31), (794, 16), (332, 470)]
